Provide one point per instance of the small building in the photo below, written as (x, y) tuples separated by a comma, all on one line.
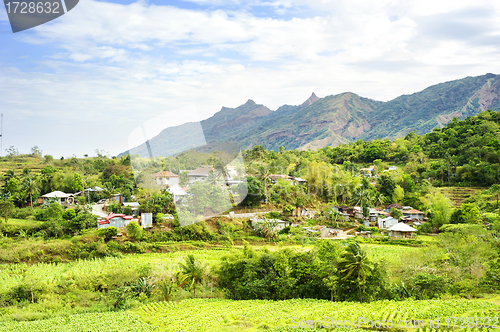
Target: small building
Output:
[(280, 224), (177, 192), (373, 215), (146, 220), (396, 206), (118, 198), (166, 179), (59, 197), (115, 220), (89, 190), (413, 214), (401, 230), (387, 222), (299, 181), (199, 174), (134, 206)]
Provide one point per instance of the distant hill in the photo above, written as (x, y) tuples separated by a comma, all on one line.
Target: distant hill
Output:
[(335, 119)]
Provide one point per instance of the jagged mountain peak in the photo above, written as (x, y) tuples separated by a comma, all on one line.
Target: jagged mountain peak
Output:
[(310, 100)]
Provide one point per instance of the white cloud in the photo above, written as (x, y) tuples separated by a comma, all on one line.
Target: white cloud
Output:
[(115, 65)]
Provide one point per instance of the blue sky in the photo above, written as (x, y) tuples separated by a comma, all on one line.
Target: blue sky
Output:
[(87, 79)]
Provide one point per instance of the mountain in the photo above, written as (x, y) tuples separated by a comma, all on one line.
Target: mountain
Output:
[(333, 120)]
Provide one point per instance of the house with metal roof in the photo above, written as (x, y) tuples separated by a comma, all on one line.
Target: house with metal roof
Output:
[(401, 230), (199, 174), (413, 214), (59, 197), (115, 220)]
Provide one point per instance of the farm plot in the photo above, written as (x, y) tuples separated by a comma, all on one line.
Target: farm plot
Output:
[(217, 314)]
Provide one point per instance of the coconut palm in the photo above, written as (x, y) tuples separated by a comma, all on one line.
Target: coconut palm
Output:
[(191, 273), (30, 187), (355, 262), (264, 176)]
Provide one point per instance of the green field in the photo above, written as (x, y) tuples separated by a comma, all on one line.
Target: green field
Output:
[(226, 315)]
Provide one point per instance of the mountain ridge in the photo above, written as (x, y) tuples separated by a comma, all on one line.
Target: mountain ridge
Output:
[(338, 119)]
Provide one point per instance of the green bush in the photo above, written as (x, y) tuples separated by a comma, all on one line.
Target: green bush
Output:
[(83, 220), (69, 214), (107, 233), (274, 215), (22, 213), (134, 230)]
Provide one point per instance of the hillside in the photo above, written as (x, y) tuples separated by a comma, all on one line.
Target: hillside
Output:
[(333, 120)]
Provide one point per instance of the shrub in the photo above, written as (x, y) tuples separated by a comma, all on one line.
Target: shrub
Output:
[(82, 221), (274, 215), (107, 233), (69, 214), (55, 211), (134, 230), (22, 213)]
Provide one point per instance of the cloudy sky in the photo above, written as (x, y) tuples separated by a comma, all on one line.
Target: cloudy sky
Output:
[(86, 80)]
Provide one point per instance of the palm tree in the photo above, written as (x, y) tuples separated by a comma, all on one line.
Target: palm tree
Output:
[(355, 262), (30, 186), (191, 273), (222, 171), (264, 176)]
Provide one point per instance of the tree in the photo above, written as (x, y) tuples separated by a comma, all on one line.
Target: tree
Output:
[(284, 281), (440, 207), (54, 211), (264, 176), (35, 151), (191, 273), (395, 213), (355, 263), (30, 186), (387, 185), (12, 151), (183, 179), (399, 194), (494, 191), (6, 209), (83, 220), (77, 183)]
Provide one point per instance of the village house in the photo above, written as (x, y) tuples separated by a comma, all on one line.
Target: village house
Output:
[(166, 179), (177, 192), (387, 222), (199, 174), (401, 230), (373, 215), (59, 197), (396, 206), (413, 214), (115, 220)]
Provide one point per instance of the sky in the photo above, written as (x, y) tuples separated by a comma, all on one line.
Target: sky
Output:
[(87, 80)]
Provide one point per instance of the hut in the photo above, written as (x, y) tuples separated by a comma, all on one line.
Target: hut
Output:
[(401, 230)]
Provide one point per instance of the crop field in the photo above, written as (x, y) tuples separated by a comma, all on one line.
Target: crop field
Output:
[(227, 315), (11, 274), (110, 321), (278, 316)]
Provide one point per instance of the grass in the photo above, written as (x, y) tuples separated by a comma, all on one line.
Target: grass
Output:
[(23, 222)]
